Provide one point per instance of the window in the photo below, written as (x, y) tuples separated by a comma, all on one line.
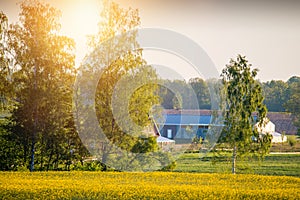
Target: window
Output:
[(169, 131)]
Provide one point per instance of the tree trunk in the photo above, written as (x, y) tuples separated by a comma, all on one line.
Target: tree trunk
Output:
[(32, 155), (34, 123), (42, 155), (104, 154), (234, 160), (33, 140)]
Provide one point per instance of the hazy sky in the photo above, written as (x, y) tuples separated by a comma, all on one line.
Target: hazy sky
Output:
[(267, 32)]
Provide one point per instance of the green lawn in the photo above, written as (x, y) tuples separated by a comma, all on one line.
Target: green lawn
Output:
[(273, 164)]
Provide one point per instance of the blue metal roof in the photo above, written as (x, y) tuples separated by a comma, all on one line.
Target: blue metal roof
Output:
[(188, 119), (175, 119)]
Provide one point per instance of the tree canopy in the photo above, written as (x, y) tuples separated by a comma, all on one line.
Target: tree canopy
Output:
[(42, 75), (293, 103), (125, 92)]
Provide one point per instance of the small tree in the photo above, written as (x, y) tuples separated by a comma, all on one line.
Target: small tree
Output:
[(242, 97), (292, 141)]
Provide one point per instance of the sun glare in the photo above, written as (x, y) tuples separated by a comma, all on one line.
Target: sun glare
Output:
[(79, 19), (86, 17)]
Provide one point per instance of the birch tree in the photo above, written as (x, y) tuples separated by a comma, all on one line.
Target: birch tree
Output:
[(243, 97), (42, 81)]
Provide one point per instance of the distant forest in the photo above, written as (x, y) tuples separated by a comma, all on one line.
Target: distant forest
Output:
[(276, 93)]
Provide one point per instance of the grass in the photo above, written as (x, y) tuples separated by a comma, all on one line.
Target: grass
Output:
[(285, 147), (273, 164), (151, 185)]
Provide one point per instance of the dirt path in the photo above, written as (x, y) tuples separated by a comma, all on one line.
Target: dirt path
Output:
[(284, 152)]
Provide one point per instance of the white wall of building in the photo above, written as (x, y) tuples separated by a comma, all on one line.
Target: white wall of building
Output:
[(269, 128)]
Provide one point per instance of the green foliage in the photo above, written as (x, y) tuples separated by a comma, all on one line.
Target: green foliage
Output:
[(276, 95), (170, 167), (88, 166), (5, 71), (9, 150), (144, 145), (292, 141), (178, 94), (42, 73), (126, 89), (243, 97), (293, 105), (175, 94), (279, 94), (200, 87)]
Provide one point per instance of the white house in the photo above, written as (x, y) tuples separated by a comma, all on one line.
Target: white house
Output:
[(269, 128)]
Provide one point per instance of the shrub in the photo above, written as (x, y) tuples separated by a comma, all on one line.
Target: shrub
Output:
[(292, 141)]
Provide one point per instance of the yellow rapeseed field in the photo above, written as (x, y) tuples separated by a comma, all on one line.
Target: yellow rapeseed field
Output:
[(152, 185)]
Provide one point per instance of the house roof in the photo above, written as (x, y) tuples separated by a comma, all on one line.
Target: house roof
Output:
[(186, 112), (275, 134), (185, 119), (283, 122), (163, 139)]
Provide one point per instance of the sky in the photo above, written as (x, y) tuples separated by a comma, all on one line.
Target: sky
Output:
[(267, 32)]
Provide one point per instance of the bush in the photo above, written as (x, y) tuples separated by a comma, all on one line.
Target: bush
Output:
[(88, 166), (22, 169), (169, 167), (292, 141)]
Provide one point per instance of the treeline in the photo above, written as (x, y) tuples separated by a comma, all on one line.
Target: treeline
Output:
[(179, 94), (277, 93)]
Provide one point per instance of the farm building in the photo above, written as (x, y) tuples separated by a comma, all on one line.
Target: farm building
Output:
[(269, 128), (283, 122), (164, 143), (184, 125)]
